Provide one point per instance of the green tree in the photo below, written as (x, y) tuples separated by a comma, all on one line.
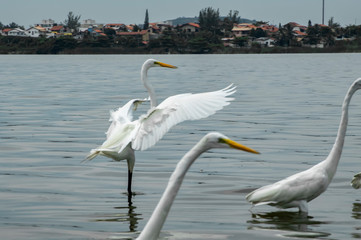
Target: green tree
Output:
[(61, 44), (286, 37), (209, 19), (333, 24), (13, 25), (353, 31), (229, 21), (309, 23), (72, 22), (258, 32), (241, 41), (110, 32), (313, 34), (146, 20), (136, 28)]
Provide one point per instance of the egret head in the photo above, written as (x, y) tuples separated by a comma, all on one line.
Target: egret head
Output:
[(218, 140), (154, 63)]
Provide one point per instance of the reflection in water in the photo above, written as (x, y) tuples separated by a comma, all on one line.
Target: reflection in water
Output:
[(290, 224), (356, 214), (130, 216), (356, 210)]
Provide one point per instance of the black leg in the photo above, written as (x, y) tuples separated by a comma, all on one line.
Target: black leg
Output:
[(130, 175)]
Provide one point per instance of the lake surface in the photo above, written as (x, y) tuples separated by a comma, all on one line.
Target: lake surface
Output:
[(54, 109)]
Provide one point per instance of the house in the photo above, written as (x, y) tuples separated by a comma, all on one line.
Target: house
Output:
[(141, 35), (47, 24), (243, 29), (265, 41), (87, 23), (58, 29), (153, 28), (116, 26), (299, 34), (17, 32), (229, 42), (297, 27), (5, 31), (36, 31), (190, 28), (163, 27), (270, 29), (130, 28), (97, 33)]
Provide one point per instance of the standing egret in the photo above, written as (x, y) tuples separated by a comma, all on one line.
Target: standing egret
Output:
[(211, 140), (298, 189), (125, 135)]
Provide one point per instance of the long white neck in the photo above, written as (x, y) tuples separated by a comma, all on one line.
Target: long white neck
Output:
[(152, 228), (148, 86), (335, 154)]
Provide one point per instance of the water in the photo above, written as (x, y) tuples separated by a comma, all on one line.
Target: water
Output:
[(54, 109)]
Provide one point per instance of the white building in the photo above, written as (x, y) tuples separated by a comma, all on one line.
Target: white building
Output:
[(47, 24), (88, 23), (36, 32), (17, 32)]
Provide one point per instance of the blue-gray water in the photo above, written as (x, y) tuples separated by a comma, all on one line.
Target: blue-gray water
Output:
[(54, 109)]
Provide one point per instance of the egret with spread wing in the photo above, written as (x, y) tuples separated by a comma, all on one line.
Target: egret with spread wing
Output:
[(125, 135), (298, 189), (211, 140)]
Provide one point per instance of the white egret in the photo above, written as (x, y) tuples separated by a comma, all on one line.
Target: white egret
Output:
[(211, 140), (298, 189), (125, 135)]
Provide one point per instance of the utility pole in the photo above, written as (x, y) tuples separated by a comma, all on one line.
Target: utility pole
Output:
[(323, 12)]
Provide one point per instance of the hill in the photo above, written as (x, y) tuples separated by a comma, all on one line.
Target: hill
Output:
[(183, 20)]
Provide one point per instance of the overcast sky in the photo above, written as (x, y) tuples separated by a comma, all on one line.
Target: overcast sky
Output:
[(31, 12)]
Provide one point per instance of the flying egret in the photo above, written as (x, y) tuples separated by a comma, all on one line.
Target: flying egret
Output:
[(159, 215), (298, 189), (125, 135)]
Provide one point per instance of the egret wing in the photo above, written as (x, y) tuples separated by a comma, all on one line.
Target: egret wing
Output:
[(176, 109), (305, 185), (123, 115)]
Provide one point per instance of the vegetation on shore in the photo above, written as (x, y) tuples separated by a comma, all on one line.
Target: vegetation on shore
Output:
[(210, 39), (67, 45)]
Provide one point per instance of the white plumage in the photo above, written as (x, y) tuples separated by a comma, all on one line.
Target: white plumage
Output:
[(176, 109), (298, 189), (211, 140), (125, 135)]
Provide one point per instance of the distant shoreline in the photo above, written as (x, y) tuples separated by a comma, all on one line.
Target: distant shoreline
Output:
[(106, 51), (21, 45)]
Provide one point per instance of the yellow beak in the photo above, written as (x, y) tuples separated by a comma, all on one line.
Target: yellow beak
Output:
[(165, 65), (239, 146)]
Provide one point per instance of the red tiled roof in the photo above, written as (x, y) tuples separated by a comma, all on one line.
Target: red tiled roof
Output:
[(300, 33), (114, 24), (194, 25), (132, 33), (130, 27), (56, 28), (269, 28)]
